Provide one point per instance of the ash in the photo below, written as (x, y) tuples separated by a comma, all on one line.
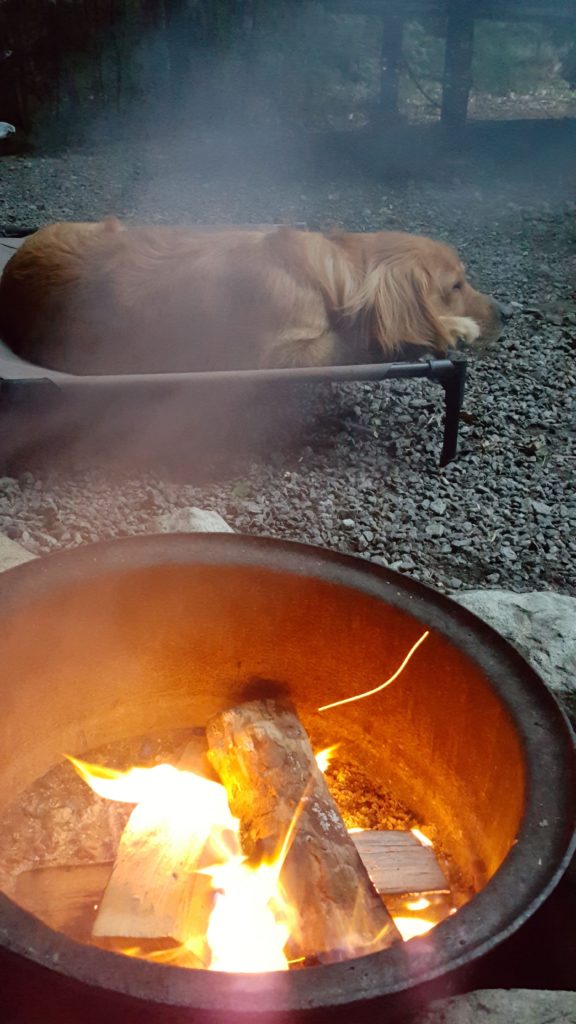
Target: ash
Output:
[(362, 476), (363, 804)]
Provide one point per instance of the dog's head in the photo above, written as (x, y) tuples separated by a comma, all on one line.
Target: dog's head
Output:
[(415, 292)]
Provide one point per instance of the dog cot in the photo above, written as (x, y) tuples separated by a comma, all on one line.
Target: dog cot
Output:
[(24, 385)]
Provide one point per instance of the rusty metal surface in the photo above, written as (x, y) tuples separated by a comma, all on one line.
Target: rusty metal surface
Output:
[(89, 982)]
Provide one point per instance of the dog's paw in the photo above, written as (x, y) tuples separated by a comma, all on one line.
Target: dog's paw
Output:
[(461, 328)]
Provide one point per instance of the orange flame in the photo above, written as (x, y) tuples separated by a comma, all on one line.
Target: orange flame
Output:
[(324, 757), (412, 927), (249, 923), (378, 689), (422, 839)]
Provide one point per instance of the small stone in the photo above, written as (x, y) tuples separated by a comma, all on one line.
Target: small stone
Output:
[(12, 554), (509, 554), (349, 523), (541, 508), (435, 530), (192, 520), (438, 506)]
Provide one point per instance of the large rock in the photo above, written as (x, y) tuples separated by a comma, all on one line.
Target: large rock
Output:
[(542, 626), (192, 520), (12, 554), (503, 1006)]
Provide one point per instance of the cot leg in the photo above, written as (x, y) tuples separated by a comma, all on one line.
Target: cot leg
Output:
[(453, 384)]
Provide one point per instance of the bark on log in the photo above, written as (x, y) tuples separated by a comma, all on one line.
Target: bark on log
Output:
[(264, 759)]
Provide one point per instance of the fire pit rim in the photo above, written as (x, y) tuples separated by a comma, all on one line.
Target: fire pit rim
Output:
[(369, 977)]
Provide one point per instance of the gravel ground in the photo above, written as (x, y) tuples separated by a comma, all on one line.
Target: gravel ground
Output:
[(502, 515)]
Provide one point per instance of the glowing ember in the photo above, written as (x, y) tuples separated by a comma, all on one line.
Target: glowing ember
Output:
[(412, 927), (416, 905), (378, 689), (421, 837)]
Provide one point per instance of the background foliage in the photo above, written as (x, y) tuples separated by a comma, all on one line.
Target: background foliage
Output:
[(66, 65)]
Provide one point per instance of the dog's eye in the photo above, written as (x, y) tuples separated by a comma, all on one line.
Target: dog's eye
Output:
[(458, 286)]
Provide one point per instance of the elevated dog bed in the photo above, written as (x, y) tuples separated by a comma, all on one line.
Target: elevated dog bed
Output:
[(26, 386)]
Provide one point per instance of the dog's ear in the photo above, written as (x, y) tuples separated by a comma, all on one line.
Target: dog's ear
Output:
[(393, 304)]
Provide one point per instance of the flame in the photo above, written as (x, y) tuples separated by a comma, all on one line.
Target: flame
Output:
[(416, 905), (377, 689), (412, 927), (249, 923), (417, 915), (162, 785), (324, 757), (422, 839)]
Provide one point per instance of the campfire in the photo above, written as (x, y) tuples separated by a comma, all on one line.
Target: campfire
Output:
[(258, 871), (197, 682)]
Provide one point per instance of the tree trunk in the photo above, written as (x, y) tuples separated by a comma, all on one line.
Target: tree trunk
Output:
[(457, 67), (390, 64)]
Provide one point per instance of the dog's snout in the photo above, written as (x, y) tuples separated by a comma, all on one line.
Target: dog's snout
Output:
[(505, 310)]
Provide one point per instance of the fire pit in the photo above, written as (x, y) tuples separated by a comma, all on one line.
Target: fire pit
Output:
[(150, 634)]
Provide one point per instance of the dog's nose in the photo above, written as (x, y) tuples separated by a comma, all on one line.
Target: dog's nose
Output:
[(504, 310)]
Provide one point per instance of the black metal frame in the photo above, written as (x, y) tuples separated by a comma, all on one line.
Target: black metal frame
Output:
[(449, 373)]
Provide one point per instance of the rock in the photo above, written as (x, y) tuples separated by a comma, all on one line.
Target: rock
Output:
[(542, 626), (438, 506), (192, 520), (502, 1006), (12, 554), (434, 530)]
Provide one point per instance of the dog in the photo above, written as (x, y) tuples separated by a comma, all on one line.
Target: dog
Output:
[(104, 298)]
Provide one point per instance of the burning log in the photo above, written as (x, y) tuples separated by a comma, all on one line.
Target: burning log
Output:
[(263, 756), (157, 889)]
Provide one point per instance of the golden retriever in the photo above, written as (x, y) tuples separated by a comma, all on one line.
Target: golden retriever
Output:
[(104, 298)]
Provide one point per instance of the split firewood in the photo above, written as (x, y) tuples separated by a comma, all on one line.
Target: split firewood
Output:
[(65, 897), (155, 889), (398, 863), (263, 756)]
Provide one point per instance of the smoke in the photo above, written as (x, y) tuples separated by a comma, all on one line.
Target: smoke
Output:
[(243, 118), (184, 431)]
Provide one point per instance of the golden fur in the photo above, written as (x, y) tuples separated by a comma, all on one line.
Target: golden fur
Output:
[(103, 298)]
